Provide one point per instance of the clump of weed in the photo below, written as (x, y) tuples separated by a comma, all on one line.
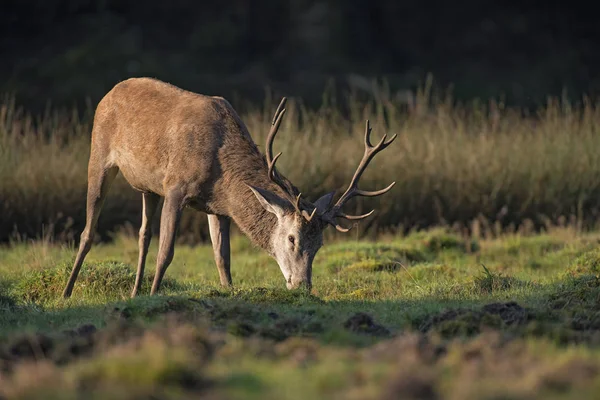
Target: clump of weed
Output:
[(576, 292), (441, 239), (489, 282), (374, 266), (587, 263), (431, 271), (570, 313), (513, 245), (107, 279), (371, 257)]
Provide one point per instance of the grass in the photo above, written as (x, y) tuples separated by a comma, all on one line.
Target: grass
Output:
[(479, 167), (428, 315)]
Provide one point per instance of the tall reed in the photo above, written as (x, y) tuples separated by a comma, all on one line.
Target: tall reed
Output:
[(453, 164)]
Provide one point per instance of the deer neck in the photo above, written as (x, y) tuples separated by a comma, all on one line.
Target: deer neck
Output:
[(249, 215), (246, 166)]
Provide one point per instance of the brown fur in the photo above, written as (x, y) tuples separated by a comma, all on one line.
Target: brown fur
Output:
[(174, 143), (194, 150)]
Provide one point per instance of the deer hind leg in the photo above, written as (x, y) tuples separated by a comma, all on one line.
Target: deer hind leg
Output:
[(100, 179), (169, 222), (149, 204), (219, 236)]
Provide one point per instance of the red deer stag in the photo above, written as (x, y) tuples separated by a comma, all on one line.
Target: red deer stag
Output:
[(195, 151)]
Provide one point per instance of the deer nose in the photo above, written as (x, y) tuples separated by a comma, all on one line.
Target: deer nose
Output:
[(299, 284)]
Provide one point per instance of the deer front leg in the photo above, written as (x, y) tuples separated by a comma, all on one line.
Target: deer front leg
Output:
[(169, 222), (149, 205), (219, 236), (99, 182)]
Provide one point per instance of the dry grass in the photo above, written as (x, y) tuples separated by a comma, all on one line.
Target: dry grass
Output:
[(480, 166)]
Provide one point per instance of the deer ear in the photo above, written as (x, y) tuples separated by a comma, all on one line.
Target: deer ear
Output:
[(324, 202), (269, 200)]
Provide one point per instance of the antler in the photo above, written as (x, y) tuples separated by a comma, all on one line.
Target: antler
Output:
[(273, 173), (334, 212)]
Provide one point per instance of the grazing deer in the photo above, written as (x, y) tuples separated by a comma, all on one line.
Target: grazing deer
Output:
[(195, 151)]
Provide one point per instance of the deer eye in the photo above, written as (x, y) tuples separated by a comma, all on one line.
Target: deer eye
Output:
[(291, 239)]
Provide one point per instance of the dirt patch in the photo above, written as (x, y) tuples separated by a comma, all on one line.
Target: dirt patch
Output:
[(570, 375), (412, 386), (7, 303), (59, 348), (290, 327), (465, 322), (261, 295), (510, 313), (364, 324), (163, 356), (247, 320)]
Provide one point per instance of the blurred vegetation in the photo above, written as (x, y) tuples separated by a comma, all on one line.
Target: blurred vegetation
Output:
[(480, 168), (69, 50)]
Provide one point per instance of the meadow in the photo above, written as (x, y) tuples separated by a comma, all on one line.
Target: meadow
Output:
[(424, 316), (477, 278)]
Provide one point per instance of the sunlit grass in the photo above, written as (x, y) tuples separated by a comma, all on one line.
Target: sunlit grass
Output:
[(393, 317)]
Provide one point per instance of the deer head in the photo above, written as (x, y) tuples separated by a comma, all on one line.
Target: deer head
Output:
[(298, 234)]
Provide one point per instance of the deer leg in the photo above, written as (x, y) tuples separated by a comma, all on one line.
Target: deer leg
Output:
[(149, 204), (99, 181), (169, 222), (219, 236)]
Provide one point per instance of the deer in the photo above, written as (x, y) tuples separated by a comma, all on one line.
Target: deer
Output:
[(194, 151)]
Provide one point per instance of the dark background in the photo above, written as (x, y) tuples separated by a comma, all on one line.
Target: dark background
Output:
[(66, 50)]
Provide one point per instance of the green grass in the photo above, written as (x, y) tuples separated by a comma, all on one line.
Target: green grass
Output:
[(429, 315), (481, 167)]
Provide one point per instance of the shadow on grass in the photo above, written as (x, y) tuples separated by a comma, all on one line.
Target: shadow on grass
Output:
[(564, 312)]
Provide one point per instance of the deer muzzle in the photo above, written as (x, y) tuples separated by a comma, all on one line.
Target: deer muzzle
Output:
[(293, 284)]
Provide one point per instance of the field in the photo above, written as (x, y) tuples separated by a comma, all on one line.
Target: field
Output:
[(477, 278), (424, 316), (477, 167)]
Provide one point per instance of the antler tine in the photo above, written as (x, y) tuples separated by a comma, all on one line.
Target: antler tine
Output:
[(354, 217), (277, 117), (370, 152), (308, 216), (368, 135), (340, 228), (374, 193), (273, 174), (275, 124), (279, 109), (348, 217), (271, 165), (297, 202)]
